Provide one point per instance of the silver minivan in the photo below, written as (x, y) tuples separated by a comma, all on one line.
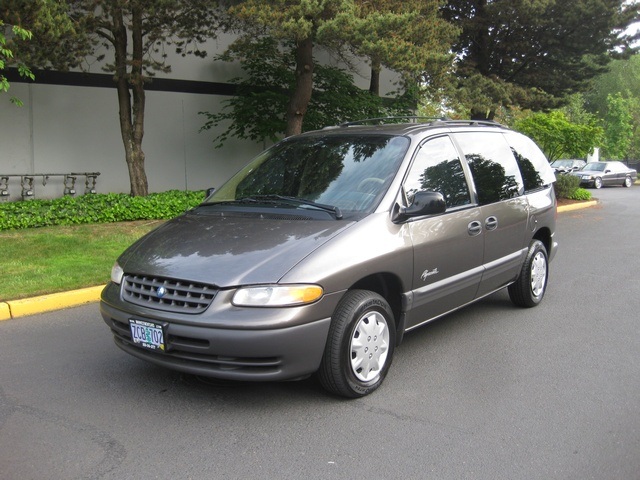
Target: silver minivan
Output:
[(327, 248)]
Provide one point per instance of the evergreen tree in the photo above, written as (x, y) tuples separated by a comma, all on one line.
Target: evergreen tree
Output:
[(533, 53), (37, 33), (406, 36)]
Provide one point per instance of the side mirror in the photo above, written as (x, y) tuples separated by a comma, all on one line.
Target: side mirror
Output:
[(209, 192), (424, 203)]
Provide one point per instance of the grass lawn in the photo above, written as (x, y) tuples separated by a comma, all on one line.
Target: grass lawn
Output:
[(47, 260)]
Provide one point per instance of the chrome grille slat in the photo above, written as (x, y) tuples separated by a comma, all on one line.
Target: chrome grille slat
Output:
[(180, 296)]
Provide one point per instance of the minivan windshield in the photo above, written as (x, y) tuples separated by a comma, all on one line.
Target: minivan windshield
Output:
[(349, 172)]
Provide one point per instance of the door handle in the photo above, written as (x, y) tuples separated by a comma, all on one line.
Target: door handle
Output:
[(491, 223), (474, 228)]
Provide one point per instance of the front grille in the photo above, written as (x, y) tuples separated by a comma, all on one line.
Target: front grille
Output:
[(168, 294)]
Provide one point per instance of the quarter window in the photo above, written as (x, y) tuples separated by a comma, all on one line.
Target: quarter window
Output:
[(494, 168), (534, 166), (437, 168)]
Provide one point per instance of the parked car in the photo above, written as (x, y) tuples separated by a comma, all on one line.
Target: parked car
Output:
[(604, 174), (567, 166), (321, 253)]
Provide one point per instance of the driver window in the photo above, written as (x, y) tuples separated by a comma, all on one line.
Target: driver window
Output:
[(437, 168)]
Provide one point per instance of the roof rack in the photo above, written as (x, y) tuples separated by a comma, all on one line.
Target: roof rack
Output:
[(419, 119), (384, 120)]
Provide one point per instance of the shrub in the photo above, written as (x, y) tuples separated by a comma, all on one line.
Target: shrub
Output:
[(566, 186), (98, 208), (580, 194)]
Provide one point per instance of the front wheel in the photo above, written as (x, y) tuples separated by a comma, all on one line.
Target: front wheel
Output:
[(529, 289), (597, 182), (360, 345)]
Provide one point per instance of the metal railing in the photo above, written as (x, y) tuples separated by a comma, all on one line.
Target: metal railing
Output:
[(28, 183)]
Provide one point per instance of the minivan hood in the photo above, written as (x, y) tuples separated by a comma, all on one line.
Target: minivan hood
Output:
[(227, 250)]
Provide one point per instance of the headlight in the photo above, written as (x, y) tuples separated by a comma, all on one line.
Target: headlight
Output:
[(116, 273), (277, 295)]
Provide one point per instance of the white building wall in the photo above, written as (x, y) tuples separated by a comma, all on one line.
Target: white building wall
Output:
[(64, 129)]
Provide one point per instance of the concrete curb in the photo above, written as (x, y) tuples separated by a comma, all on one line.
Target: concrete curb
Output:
[(46, 303), (58, 301), (577, 206)]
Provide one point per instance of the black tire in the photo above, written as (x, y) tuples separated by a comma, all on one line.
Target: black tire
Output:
[(531, 285), (597, 182), (359, 312), (628, 182)]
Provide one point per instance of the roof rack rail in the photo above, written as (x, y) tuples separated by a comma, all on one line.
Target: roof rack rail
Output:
[(418, 119), (383, 120), (491, 123)]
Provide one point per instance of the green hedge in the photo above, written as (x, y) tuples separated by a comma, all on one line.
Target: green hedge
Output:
[(98, 208)]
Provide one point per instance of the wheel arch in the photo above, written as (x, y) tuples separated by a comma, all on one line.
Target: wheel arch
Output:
[(544, 235), (389, 286)]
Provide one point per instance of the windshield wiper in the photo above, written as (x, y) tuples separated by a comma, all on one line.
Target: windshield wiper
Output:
[(230, 202), (299, 201)]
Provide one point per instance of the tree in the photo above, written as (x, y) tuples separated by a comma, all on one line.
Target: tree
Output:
[(37, 33), (618, 127), (403, 35), (137, 31), (558, 137), (531, 54), (622, 79), (301, 23), (406, 36), (135, 34), (6, 57), (257, 111)]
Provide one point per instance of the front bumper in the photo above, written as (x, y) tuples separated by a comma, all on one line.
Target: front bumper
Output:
[(198, 347), (587, 182)]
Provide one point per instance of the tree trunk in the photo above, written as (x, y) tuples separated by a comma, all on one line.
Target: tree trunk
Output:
[(301, 96), (131, 115), (482, 114), (374, 84)]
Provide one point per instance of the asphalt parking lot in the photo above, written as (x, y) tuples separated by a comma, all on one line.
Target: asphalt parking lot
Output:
[(489, 392)]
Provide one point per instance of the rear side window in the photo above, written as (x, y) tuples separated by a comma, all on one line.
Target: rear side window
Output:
[(534, 166), (494, 168), (616, 167), (437, 168)]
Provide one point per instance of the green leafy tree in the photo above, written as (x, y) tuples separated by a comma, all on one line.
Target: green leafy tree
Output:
[(38, 33), (618, 127), (576, 112), (622, 79), (532, 53), (135, 33), (258, 110), (7, 57), (132, 36), (558, 137)]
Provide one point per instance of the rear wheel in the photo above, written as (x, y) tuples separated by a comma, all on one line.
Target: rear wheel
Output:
[(360, 345), (628, 181), (529, 289)]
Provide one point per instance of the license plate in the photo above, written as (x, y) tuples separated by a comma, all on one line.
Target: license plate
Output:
[(147, 335)]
